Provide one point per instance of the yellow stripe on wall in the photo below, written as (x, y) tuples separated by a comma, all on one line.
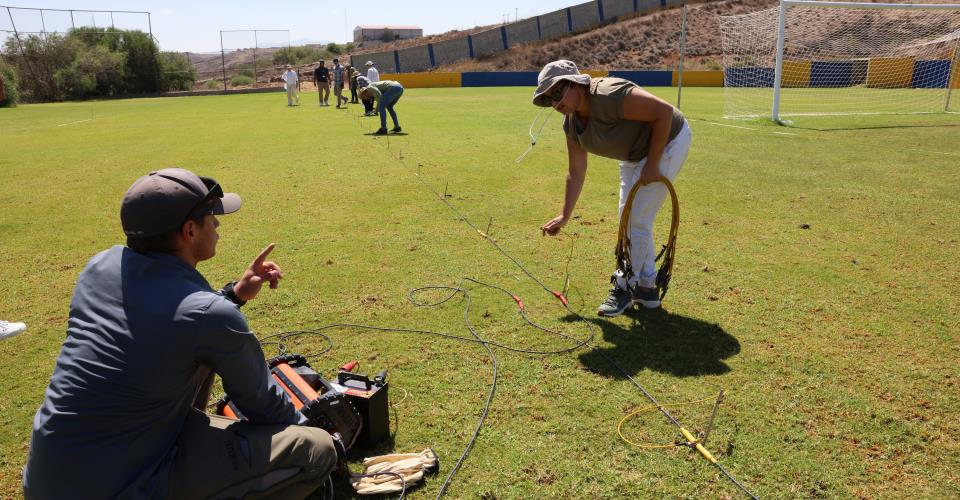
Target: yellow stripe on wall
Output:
[(890, 72), (700, 79), (796, 73), (424, 80), (598, 73)]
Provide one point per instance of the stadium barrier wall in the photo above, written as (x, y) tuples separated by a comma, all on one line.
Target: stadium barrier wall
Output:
[(879, 72), (529, 78), (573, 19), (424, 80)]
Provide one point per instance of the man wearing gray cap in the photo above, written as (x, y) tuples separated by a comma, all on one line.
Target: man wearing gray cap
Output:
[(123, 415), (617, 119)]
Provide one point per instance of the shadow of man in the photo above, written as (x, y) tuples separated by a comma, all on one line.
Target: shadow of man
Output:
[(663, 342)]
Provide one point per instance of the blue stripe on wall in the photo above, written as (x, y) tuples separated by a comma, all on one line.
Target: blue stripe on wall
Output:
[(470, 45), (499, 79), (931, 74), (503, 37), (831, 74), (646, 78), (539, 34), (635, 7), (663, 3), (433, 60), (569, 20), (748, 77), (600, 9), (396, 60)]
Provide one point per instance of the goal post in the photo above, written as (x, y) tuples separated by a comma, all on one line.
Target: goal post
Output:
[(841, 58)]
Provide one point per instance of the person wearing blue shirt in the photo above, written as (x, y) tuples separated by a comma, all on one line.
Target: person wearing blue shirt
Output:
[(123, 415)]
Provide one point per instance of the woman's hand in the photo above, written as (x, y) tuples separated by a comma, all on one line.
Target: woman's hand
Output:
[(650, 173), (553, 226)]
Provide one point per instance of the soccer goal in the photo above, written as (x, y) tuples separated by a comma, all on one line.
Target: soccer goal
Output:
[(841, 58)]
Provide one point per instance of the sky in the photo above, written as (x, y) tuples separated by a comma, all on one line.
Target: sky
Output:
[(194, 25)]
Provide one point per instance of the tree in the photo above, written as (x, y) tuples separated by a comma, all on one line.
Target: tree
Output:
[(95, 71), (388, 36), (176, 72), (9, 94), (334, 48)]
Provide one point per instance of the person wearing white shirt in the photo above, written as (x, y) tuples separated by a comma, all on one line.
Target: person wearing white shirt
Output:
[(290, 81), (372, 74)]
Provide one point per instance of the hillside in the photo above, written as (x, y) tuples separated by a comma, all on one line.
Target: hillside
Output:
[(643, 42)]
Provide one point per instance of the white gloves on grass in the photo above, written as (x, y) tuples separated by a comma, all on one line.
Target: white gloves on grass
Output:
[(409, 465)]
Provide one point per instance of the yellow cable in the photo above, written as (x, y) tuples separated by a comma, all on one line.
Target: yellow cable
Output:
[(656, 407), (623, 234)]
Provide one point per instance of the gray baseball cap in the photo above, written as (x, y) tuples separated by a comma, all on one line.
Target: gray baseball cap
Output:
[(553, 73), (162, 201)]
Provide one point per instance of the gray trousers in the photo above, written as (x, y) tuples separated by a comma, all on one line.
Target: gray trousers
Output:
[(218, 457)]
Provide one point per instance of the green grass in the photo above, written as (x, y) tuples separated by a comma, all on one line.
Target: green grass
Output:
[(837, 344)]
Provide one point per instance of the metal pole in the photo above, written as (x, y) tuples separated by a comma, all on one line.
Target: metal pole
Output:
[(952, 74), (156, 53), (778, 71), (223, 63), (114, 27), (72, 24), (255, 43), (43, 25), (683, 46)]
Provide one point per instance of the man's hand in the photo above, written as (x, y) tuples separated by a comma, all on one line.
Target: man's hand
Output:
[(650, 173), (248, 286), (553, 227)]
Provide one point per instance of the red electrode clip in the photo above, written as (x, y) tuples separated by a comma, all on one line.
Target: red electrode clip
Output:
[(349, 367), (561, 297), (519, 302)]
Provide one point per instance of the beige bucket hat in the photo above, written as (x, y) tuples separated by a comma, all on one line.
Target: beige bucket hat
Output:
[(553, 73)]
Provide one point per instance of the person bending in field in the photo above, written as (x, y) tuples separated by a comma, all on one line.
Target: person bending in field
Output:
[(123, 416), (615, 118), (385, 93)]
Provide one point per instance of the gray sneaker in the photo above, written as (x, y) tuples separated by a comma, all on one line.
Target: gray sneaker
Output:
[(646, 297), (619, 300)]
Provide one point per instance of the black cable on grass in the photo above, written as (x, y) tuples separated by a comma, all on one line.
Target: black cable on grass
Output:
[(566, 306), (280, 339)]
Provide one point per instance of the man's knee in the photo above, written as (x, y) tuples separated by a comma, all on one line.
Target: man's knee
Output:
[(313, 448)]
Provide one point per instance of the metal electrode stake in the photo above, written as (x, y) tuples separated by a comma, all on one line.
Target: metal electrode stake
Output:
[(713, 415), (489, 223)]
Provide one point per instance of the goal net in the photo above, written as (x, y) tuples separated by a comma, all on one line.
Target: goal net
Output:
[(841, 58)]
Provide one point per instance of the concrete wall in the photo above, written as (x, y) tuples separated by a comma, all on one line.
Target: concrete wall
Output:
[(451, 51), (616, 8), (553, 24), (646, 6), (384, 61), (523, 32), (414, 59), (582, 17), (487, 42), (585, 16)]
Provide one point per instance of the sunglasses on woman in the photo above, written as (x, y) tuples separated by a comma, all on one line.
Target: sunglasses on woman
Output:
[(558, 92)]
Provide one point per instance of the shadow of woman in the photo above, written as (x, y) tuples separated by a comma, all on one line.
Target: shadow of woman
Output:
[(660, 341)]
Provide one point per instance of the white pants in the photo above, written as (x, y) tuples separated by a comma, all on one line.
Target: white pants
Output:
[(648, 201), (291, 93)]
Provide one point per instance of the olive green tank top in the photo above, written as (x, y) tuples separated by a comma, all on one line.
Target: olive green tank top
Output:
[(608, 133)]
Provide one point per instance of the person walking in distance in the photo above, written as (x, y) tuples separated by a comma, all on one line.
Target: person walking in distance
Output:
[(321, 78), (290, 82), (339, 77)]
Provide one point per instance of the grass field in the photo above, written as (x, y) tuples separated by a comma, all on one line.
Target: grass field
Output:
[(816, 281)]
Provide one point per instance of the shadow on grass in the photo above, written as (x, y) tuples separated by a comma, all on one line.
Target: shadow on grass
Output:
[(660, 341)]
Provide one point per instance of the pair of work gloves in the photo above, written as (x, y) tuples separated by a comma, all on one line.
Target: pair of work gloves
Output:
[(381, 475)]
